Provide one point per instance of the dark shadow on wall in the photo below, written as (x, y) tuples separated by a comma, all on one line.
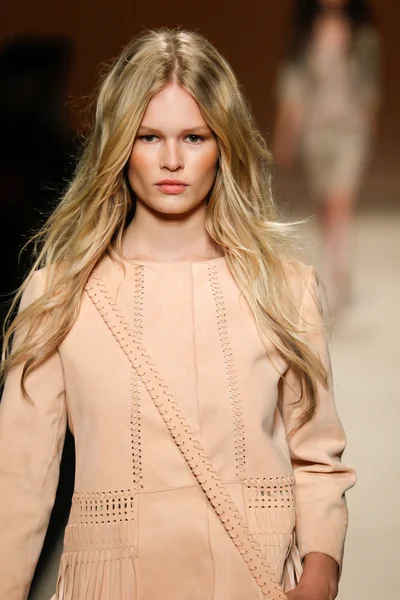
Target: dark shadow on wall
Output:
[(37, 156), (37, 144)]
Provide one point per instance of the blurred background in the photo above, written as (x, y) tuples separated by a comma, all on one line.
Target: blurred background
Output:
[(51, 56)]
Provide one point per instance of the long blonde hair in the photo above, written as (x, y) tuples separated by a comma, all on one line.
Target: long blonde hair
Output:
[(92, 215)]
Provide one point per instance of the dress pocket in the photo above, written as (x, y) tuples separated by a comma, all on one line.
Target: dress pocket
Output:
[(270, 510)]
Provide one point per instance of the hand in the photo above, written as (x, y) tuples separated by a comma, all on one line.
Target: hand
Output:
[(319, 580)]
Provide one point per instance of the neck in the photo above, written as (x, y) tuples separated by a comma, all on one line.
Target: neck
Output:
[(169, 237)]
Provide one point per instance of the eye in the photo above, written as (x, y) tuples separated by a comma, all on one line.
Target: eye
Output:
[(147, 138), (194, 139)]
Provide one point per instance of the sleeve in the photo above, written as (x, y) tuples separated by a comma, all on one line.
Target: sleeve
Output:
[(32, 434), (316, 447)]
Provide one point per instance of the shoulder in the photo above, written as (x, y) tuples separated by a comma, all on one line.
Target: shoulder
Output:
[(305, 290), (368, 33), (33, 287), (298, 277), (37, 283)]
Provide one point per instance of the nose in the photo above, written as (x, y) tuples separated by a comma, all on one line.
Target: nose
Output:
[(171, 156)]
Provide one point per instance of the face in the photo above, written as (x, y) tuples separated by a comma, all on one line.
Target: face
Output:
[(333, 3), (173, 162)]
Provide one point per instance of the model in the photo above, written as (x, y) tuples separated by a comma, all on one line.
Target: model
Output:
[(168, 324)]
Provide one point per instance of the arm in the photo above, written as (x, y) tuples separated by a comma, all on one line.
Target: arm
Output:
[(321, 478), (31, 439)]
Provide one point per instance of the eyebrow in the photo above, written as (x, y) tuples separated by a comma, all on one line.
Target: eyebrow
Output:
[(198, 128)]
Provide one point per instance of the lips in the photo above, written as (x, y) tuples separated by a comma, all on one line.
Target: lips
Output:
[(171, 186)]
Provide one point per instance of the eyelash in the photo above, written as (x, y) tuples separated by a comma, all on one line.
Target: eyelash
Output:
[(199, 138)]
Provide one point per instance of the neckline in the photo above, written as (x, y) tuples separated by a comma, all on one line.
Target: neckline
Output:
[(133, 261)]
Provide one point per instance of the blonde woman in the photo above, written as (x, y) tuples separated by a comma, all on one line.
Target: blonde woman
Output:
[(167, 324)]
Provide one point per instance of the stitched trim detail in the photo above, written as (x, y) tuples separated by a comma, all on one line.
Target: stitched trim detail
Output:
[(135, 383), (230, 371)]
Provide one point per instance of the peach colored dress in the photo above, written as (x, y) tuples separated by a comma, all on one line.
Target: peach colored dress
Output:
[(140, 526)]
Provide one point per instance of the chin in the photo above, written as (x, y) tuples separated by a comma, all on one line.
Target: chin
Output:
[(175, 207)]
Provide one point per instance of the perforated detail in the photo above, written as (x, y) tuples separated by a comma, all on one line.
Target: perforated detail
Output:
[(135, 384), (186, 440), (101, 508), (231, 376), (100, 521), (270, 493)]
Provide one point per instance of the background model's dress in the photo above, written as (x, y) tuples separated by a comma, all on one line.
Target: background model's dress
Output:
[(140, 527), (336, 91)]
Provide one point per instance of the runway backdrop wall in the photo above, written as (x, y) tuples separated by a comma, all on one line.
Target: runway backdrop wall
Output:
[(250, 34)]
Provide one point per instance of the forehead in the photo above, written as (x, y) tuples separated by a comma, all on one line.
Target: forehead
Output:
[(172, 107)]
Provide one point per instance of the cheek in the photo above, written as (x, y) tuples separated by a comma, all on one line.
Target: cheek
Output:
[(207, 163), (139, 165)]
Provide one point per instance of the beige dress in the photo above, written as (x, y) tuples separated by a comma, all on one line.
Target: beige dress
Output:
[(336, 92), (140, 526)]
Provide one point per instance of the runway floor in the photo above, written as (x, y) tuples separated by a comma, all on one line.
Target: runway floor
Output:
[(365, 357)]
